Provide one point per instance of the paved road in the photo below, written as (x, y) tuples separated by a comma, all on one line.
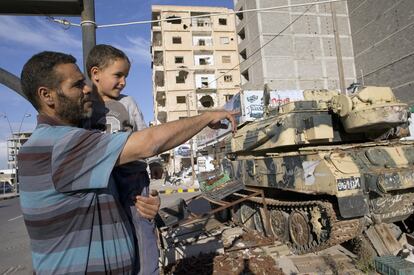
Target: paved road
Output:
[(14, 242), (14, 250)]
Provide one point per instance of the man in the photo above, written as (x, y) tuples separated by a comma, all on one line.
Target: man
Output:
[(68, 197)]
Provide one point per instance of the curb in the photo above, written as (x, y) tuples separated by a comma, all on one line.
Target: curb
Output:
[(8, 197), (179, 190)]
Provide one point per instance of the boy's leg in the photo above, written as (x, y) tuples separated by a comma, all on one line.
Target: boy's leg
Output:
[(146, 237), (147, 245)]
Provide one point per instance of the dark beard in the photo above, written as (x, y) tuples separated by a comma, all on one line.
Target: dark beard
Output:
[(71, 111)]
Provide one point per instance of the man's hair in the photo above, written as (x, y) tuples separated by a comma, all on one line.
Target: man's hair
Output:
[(39, 71), (103, 55)]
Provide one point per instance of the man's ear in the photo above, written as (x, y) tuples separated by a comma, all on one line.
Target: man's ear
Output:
[(45, 96), (95, 74)]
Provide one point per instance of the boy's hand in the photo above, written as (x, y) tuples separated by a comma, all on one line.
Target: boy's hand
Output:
[(148, 206)]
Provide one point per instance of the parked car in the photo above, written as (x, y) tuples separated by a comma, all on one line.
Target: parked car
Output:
[(184, 150), (6, 187)]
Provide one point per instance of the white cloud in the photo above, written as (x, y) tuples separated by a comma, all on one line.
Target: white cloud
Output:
[(137, 49), (37, 33)]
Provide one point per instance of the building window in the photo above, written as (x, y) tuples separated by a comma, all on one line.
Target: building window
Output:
[(201, 42), (180, 99), (180, 77), (176, 39), (223, 21), (228, 97), (179, 59), (225, 59), (174, 19), (228, 78), (224, 40), (204, 82)]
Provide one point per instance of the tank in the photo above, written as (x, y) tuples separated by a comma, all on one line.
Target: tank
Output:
[(328, 165)]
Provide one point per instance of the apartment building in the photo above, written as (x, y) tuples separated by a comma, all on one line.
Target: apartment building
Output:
[(286, 53), (14, 143), (195, 60)]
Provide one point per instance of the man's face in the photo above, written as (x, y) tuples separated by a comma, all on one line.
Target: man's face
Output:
[(73, 102)]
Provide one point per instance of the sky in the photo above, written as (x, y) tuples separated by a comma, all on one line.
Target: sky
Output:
[(23, 36)]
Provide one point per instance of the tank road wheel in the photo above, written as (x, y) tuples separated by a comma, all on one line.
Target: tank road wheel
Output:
[(299, 230), (247, 213), (259, 220), (279, 224)]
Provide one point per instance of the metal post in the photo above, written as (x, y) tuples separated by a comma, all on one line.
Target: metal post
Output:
[(18, 141), (88, 29), (338, 49), (191, 142)]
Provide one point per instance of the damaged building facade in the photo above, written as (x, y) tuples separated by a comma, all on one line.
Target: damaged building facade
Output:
[(195, 60)]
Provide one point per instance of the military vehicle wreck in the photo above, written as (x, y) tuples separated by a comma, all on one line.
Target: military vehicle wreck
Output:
[(329, 165)]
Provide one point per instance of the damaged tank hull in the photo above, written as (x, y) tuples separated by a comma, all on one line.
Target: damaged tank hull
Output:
[(324, 177)]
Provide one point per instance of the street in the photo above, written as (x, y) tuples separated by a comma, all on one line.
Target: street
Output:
[(14, 250), (15, 245)]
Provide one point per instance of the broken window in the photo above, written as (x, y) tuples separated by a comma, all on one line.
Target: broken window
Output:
[(228, 78), (157, 39), (176, 39), (180, 77), (158, 58), (223, 21), (159, 78), (225, 59), (174, 19), (180, 99), (179, 60)]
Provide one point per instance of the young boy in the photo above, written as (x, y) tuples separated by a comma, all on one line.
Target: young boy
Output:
[(108, 69)]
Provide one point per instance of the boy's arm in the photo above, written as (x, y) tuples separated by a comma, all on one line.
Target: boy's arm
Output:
[(158, 139)]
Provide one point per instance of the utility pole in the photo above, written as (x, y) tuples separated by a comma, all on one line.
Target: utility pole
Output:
[(338, 49), (191, 141), (88, 29)]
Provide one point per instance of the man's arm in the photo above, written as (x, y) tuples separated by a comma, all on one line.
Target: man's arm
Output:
[(158, 139)]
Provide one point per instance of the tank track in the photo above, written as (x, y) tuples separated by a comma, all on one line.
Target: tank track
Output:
[(323, 219)]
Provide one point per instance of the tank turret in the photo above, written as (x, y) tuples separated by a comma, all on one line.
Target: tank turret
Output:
[(325, 117)]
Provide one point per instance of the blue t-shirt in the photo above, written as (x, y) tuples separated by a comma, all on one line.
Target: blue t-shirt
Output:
[(70, 203)]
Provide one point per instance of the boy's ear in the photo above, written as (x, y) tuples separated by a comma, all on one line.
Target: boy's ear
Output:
[(45, 96), (95, 73)]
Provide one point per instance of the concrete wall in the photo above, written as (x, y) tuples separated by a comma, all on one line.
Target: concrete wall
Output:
[(383, 38), (302, 56)]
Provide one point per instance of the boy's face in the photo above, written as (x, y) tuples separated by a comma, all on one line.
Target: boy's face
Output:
[(110, 80)]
